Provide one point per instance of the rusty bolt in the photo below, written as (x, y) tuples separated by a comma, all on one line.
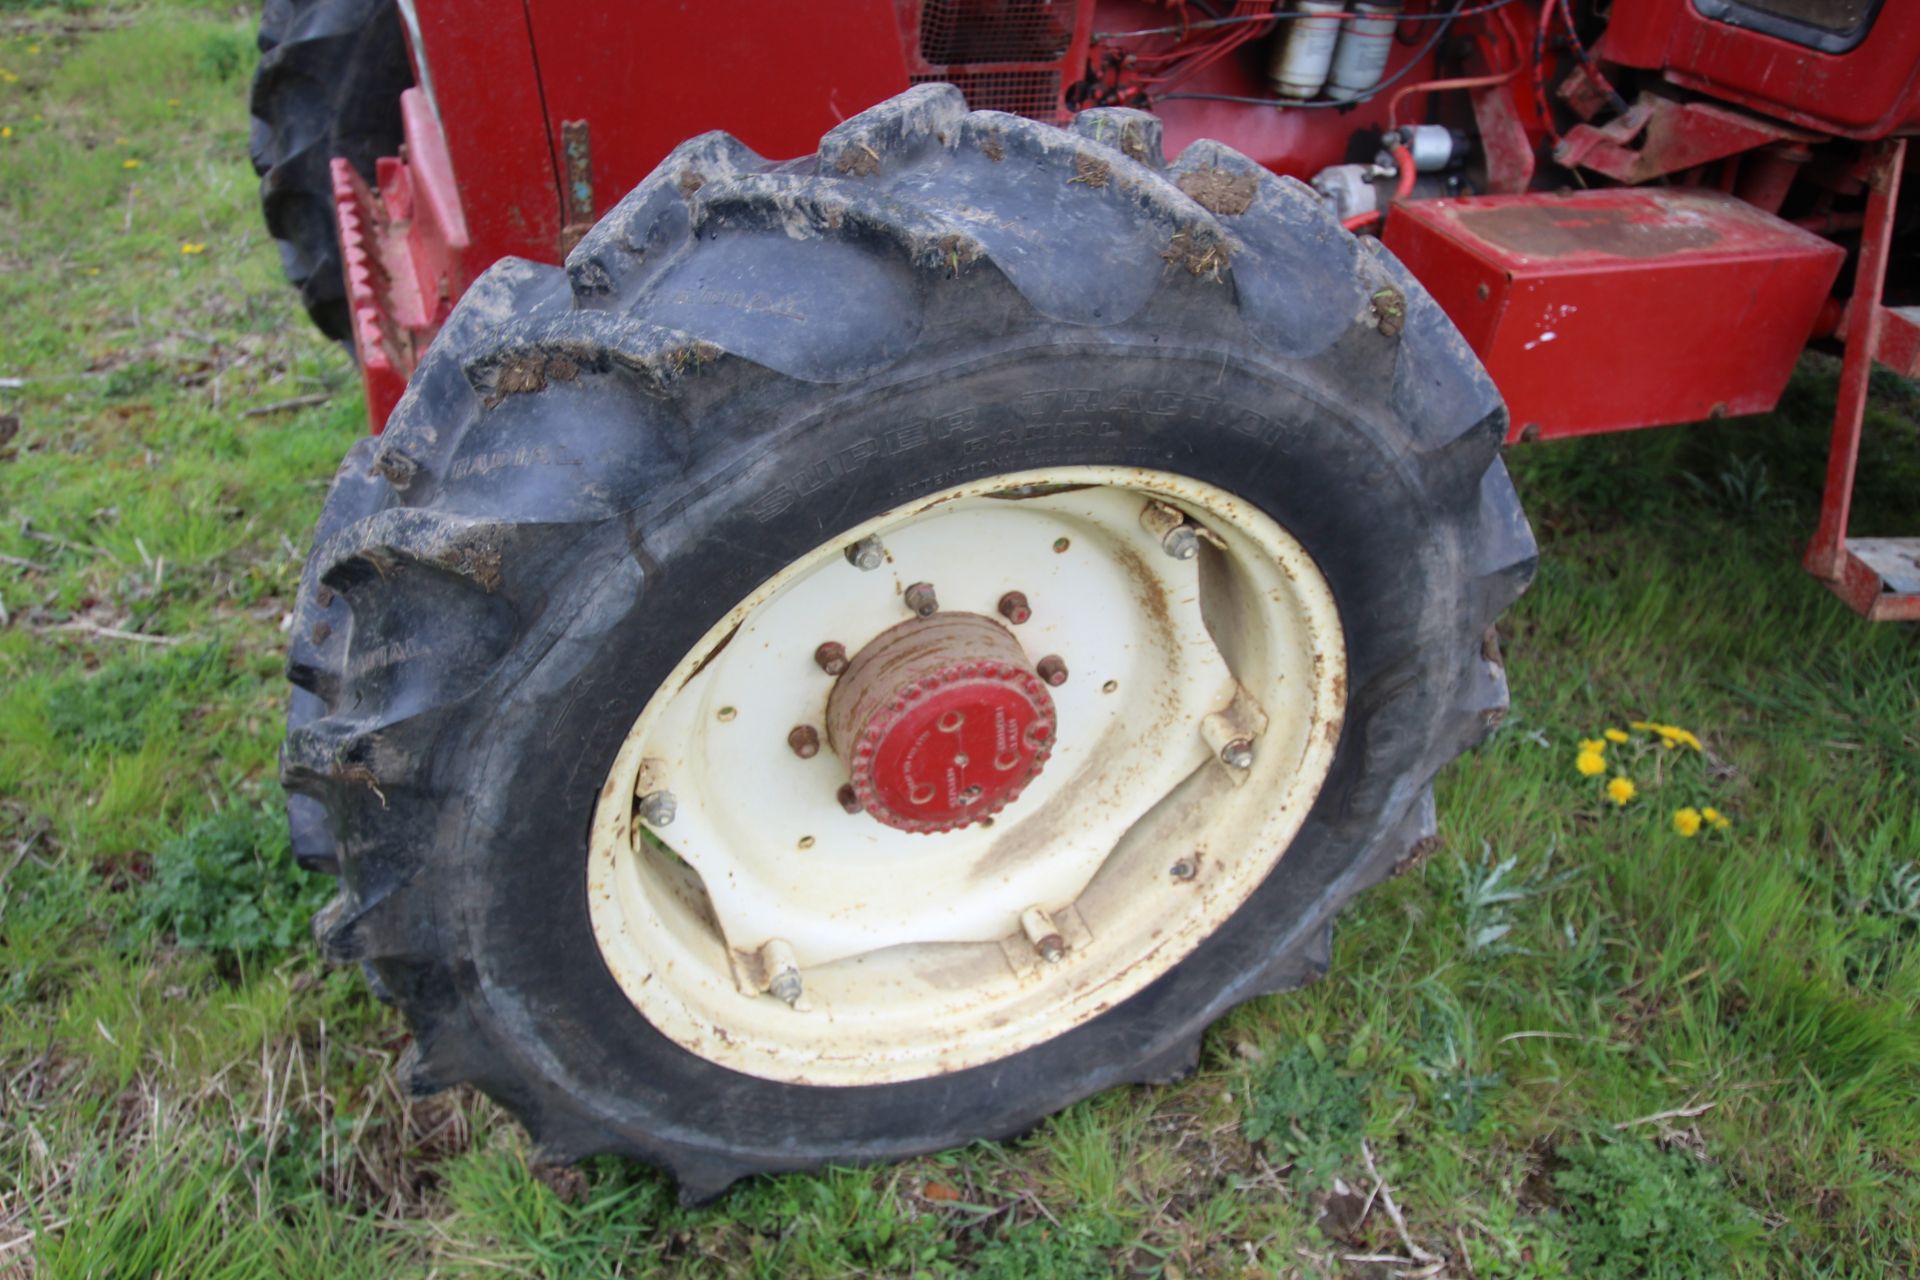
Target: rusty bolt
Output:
[(921, 600), (805, 741), (1182, 542), (867, 554), (657, 808), (832, 657), (1237, 754), (1051, 948), (1182, 870), (1053, 669), (848, 799), (1014, 607)]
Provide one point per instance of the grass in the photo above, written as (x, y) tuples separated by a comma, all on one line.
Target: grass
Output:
[(1571, 1043)]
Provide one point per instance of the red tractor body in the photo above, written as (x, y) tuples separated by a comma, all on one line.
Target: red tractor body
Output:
[(1762, 145)]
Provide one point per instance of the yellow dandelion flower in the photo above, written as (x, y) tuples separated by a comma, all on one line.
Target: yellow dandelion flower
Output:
[(1615, 735), (6, 131), (1715, 819), (34, 49), (1620, 790), (1590, 763), (1687, 822), (192, 246), (93, 271), (173, 102), (1641, 726), (129, 163), (1595, 745)]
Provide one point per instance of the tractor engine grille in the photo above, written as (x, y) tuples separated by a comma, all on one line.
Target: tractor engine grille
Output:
[(1004, 55), (963, 33), (1034, 94)]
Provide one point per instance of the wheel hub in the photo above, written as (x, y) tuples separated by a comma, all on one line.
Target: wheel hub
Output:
[(941, 721)]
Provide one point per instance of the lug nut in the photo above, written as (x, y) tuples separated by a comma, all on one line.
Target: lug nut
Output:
[(921, 600), (1052, 669), (1237, 754), (1043, 934), (832, 657), (1181, 542), (805, 741), (849, 800), (867, 554), (1014, 607), (657, 808)]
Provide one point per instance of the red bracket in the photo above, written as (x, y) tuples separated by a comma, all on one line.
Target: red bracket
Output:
[(1678, 137), (1878, 577)]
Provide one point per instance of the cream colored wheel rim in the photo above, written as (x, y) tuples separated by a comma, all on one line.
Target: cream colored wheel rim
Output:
[(768, 930)]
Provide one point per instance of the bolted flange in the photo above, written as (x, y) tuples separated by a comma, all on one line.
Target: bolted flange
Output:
[(941, 722)]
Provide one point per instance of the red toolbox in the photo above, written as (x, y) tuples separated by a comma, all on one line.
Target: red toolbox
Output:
[(1624, 307)]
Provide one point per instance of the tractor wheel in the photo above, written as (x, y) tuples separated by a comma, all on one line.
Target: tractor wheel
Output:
[(329, 83), (880, 648)]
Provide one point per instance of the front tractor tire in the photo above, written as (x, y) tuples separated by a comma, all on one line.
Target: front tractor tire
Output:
[(329, 83), (883, 647)]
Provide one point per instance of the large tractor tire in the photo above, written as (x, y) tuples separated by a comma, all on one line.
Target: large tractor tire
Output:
[(329, 84), (639, 852)]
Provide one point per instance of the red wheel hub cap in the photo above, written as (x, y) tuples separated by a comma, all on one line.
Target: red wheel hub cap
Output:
[(942, 722)]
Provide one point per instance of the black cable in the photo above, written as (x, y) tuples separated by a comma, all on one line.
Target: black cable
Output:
[(1614, 99), (1376, 91)]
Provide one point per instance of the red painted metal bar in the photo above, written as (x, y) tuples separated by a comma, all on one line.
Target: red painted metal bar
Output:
[(1829, 557)]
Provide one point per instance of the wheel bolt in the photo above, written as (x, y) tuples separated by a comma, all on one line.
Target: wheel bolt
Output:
[(1043, 934), (1014, 607), (921, 600), (849, 800), (1237, 754), (867, 554), (832, 657), (805, 741), (1052, 669), (782, 971), (1181, 542), (657, 808)]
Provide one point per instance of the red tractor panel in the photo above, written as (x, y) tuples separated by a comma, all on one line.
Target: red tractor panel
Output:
[(1626, 307), (1850, 69)]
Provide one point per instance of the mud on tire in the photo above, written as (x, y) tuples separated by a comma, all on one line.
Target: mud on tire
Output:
[(593, 465)]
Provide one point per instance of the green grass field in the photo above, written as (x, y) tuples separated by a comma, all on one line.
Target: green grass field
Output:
[(1572, 1041)]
